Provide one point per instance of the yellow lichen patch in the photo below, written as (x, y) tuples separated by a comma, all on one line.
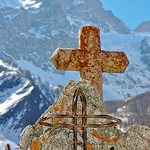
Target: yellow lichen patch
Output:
[(35, 145), (62, 107), (96, 134), (115, 139), (56, 108), (79, 110), (85, 96), (44, 139), (54, 121), (124, 146), (88, 146)]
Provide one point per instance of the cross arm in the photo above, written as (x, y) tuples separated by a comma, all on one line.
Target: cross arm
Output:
[(68, 59), (112, 61)]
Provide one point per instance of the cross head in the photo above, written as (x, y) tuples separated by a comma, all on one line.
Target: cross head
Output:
[(84, 116), (89, 59)]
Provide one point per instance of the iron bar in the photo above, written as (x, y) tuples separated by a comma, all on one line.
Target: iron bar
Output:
[(84, 116)]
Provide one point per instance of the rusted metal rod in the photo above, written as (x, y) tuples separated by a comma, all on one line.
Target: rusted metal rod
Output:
[(84, 116)]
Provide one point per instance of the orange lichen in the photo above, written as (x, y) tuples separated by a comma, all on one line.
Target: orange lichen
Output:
[(44, 139), (146, 148), (115, 139), (66, 87), (68, 107), (56, 108), (40, 125), (79, 110), (54, 103), (67, 112), (62, 107), (107, 139), (124, 146), (54, 121), (148, 140), (50, 142), (69, 83), (59, 119), (43, 113), (49, 131), (35, 145), (105, 109), (88, 146), (96, 134)]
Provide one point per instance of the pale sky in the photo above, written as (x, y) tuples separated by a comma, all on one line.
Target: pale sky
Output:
[(131, 12)]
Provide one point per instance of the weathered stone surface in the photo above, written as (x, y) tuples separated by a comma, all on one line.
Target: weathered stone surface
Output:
[(39, 137)]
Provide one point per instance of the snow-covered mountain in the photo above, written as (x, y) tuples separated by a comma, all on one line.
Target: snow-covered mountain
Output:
[(134, 110), (29, 35), (21, 100), (31, 30)]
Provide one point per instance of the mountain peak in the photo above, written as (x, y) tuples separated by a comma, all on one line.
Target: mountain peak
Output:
[(143, 27)]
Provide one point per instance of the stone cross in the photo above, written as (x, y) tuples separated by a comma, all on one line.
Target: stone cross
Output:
[(89, 59)]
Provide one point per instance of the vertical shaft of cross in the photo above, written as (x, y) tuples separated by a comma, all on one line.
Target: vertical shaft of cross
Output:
[(89, 42)]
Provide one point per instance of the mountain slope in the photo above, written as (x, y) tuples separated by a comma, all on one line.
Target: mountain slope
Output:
[(134, 110), (143, 27), (21, 101)]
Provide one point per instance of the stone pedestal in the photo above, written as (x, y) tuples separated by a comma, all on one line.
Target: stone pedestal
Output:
[(39, 137)]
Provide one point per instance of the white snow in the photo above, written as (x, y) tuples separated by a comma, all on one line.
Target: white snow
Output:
[(52, 78), (15, 98), (113, 41), (4, 141), (37, 5), (27, 2), (7, 66)]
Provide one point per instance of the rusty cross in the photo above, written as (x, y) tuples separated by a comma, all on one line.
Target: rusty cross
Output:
[(89, 59), (84, 116)]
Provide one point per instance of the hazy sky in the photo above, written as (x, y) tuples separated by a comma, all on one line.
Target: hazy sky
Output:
[(132, 12)]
